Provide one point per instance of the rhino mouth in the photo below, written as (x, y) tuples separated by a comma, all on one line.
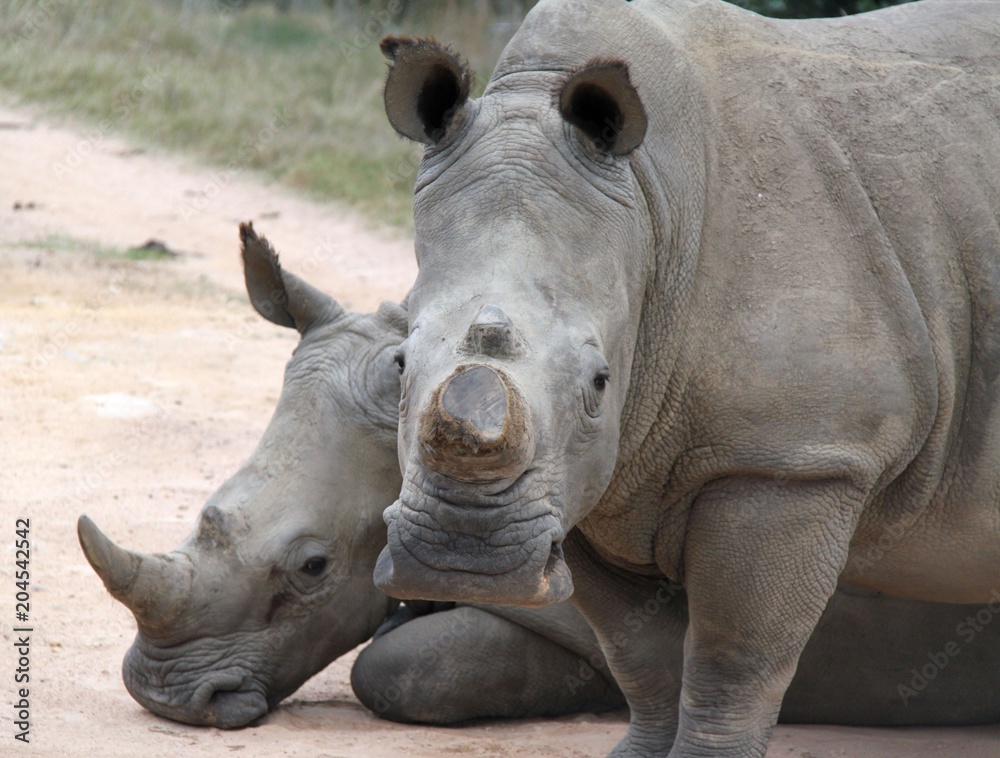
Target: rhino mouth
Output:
[(488, 552), (228, 698)]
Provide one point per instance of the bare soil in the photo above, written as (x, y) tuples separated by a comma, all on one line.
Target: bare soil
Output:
[(132, 389)]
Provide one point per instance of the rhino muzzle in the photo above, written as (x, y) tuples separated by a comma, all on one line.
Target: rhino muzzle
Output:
[(227, 698), (467, 526), (476, 427), (464, 544), (541, 579)]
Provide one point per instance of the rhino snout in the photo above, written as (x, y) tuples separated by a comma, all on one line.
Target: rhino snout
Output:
[(227, 699), (476, 427), (232, 709)]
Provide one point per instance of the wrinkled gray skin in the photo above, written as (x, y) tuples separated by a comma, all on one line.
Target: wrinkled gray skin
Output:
[(720, 291), (234, 620), (244, 611), (449, 666)]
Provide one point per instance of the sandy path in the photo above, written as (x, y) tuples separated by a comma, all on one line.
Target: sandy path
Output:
[(98, 188), (132, 390)]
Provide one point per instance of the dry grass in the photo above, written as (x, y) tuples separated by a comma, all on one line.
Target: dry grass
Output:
[(296, 95)]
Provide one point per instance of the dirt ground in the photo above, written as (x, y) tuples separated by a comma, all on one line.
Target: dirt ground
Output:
[(132, 389)]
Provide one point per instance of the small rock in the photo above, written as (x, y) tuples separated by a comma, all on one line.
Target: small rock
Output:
[(120, 405), (155, 248)]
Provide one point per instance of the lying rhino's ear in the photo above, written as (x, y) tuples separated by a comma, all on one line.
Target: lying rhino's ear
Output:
[(395, 317), (601, 102), (280, 297), (426, 88)]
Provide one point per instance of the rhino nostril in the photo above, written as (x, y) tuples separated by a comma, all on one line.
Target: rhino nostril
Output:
[(555, 557), (233, 708)]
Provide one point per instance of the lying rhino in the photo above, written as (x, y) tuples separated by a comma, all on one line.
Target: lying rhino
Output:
[(720, 292), (274, 582)]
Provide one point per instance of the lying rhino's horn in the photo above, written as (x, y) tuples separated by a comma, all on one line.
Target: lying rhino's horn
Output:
[(155, 588), (476, 427)]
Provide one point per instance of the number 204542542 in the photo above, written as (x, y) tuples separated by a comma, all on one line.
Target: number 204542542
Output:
[(22, 575), (22, 640)]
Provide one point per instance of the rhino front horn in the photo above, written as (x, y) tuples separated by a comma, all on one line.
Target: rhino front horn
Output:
[(476, 428), (154, 587)]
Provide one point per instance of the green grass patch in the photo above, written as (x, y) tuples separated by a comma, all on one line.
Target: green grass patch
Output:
[(151, 251), (59, 243), (295, 95)]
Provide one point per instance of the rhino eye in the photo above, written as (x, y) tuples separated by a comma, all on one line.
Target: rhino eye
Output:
[(601, 380), (314, 566), (400, 361)]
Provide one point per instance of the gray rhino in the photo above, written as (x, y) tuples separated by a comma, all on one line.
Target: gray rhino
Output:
[(720, 292), (275, 580)]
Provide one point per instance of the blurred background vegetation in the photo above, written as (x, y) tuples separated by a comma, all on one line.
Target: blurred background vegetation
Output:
[(291, 88)]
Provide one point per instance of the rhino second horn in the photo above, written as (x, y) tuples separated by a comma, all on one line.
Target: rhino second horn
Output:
[(492, 334), (476, 427), (156, 588)]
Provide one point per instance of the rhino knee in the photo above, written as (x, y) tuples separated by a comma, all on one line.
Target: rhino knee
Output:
[(384, 680)]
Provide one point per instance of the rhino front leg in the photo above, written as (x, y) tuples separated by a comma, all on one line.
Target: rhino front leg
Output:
[(640, 623), (467, 663), (761, 563)]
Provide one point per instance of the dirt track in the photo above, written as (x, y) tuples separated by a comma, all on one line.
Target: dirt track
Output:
[(131, 390)]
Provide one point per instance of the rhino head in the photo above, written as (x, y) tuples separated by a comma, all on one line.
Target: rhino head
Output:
[(535, 238), (275, 580)]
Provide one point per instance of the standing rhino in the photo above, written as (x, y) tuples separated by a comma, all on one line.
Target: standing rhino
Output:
[(275, 581), (721, 292)]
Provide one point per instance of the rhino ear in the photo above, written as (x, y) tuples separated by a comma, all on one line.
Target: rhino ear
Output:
[(280, 297), (395, 316), (426, 88), (600, 100), (382, 377)]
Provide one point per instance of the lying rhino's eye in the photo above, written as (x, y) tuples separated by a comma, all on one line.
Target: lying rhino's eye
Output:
[(601, 380), (400, 361), (314, 566)]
